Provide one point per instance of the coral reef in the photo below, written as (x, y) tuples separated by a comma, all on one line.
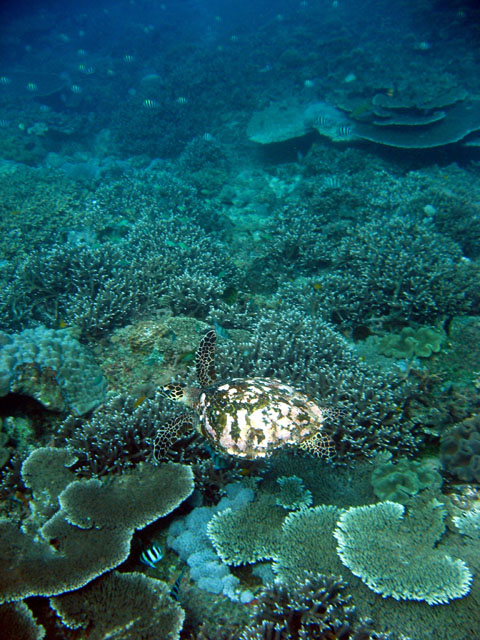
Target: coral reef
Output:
[(316, 607), (373, 542), (121, 434), (308, 353), (52, 367), (76, 535), (96, 288), (436, 281), (398, 480), (188, 537), (460, 449), (332, 240), (129, 605), (73, 284), (406, 122)]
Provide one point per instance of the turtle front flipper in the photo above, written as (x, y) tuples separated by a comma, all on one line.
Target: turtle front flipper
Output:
[(205, 360), (172, 431)]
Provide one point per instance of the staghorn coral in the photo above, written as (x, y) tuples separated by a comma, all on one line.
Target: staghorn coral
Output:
[(97, 288), (121, 434), (91, 288), (68, 550), (373, 542), (404, 270), (193, 269), (317, 606), (128, 605)]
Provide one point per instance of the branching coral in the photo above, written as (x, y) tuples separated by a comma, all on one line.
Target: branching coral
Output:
[(316, 607), (121, 434), (403, 270)]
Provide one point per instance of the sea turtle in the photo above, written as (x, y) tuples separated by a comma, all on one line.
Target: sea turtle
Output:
[(248, 417)]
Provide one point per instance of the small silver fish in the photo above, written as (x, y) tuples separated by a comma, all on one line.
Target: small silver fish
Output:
[(344, 131), (148, 103)]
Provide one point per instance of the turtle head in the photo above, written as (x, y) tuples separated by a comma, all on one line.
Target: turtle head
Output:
[(181, 393)]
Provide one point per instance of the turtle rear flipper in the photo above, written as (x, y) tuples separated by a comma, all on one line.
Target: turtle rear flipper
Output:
[(205, 360), (320, 444)]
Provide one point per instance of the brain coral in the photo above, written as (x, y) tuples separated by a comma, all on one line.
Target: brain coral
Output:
[(397, 556), (52, 367)]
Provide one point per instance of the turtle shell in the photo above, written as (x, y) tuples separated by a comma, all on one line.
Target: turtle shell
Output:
[(250, 418)]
